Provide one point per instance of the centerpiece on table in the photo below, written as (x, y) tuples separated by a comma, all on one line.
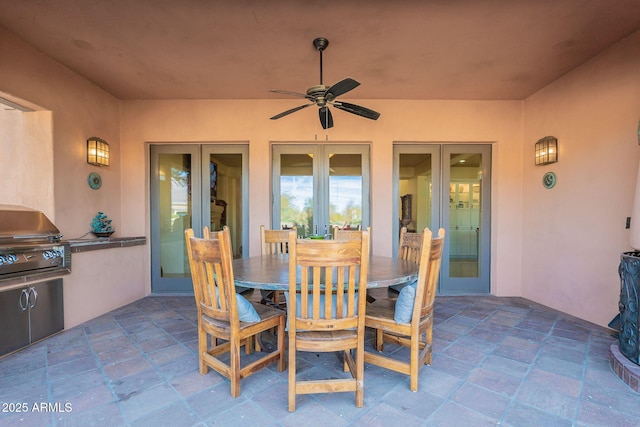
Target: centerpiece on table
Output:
[(101, 225)]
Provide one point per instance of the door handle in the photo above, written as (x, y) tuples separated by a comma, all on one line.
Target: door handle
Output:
[(32, 291), (24, 296)]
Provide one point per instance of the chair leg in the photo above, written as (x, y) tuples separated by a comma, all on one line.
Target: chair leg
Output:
[(257, 345), (248, 344), (277, 298), (202, 348), (379, 339), (360, 375), (427, 342), (281, 332), (234, 354), (414, 356), (292, 375)]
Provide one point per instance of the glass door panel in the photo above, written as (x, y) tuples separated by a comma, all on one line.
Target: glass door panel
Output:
[(223, 197), (345, 190), (466, 170), (297, 191), (317, 187), (191, 186), (174, 175), (417, 174)]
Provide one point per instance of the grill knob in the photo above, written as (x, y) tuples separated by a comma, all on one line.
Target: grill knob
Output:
[(8, 259), (51, 254)]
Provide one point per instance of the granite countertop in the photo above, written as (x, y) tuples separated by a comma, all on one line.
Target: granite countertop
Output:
[(94, 244)]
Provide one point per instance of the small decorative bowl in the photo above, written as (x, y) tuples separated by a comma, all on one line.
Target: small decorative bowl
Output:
[(103, 233)]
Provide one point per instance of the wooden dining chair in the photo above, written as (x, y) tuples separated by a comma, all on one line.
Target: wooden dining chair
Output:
[(225, 315), (411, 323), (409, 249), (410, 245), (326, 307), (341, 234), (273, 242)]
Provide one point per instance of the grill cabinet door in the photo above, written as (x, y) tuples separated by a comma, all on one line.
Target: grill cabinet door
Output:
[(46, 310), (14, 332)]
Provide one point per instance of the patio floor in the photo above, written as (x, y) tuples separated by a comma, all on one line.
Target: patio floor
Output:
[(497, 361)]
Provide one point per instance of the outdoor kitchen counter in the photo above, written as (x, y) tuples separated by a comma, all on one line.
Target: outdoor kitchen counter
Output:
[(85, 245)]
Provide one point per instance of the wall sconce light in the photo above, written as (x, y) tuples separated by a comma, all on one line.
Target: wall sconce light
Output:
[(97, 151), (546, 151)]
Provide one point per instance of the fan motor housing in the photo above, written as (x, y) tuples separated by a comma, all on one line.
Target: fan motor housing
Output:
[(317, 90), (317, 93)]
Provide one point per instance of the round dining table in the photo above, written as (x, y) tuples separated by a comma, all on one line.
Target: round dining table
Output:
[(271, 272)]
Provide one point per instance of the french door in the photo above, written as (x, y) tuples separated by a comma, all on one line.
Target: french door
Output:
[(193, 185), (317, 187), (449, 186)]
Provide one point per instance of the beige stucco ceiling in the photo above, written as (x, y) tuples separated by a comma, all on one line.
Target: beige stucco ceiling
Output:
[(406, 49)]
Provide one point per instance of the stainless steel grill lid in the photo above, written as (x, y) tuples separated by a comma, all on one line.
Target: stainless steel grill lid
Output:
[(21, 224)]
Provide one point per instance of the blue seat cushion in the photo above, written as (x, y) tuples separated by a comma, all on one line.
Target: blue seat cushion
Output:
[(246, 311), (404, 303)]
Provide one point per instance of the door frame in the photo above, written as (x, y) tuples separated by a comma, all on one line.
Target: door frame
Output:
[(320, 162), (200, 196), (440, 152), (448, 285)]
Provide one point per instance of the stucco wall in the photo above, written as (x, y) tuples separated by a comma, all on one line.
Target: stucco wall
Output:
[(226, 121), (88, 294), (574, 233), (56, 181), (26, 138)]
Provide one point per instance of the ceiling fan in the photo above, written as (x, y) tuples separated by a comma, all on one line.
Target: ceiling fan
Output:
[(323, 96)]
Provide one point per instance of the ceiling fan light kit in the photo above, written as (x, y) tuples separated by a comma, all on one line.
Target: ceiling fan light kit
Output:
[(325, 96)]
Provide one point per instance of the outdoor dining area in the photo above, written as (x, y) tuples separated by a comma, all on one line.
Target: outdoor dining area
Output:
[(286, 338), (326, 308)]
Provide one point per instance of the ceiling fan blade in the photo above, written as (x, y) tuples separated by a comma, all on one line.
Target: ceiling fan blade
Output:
[(293, 110), (343, 86), (296, 94), (326, 119), (357, 109)]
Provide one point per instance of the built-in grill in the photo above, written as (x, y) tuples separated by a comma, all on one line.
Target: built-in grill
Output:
[(30, 246), (33, 257)]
